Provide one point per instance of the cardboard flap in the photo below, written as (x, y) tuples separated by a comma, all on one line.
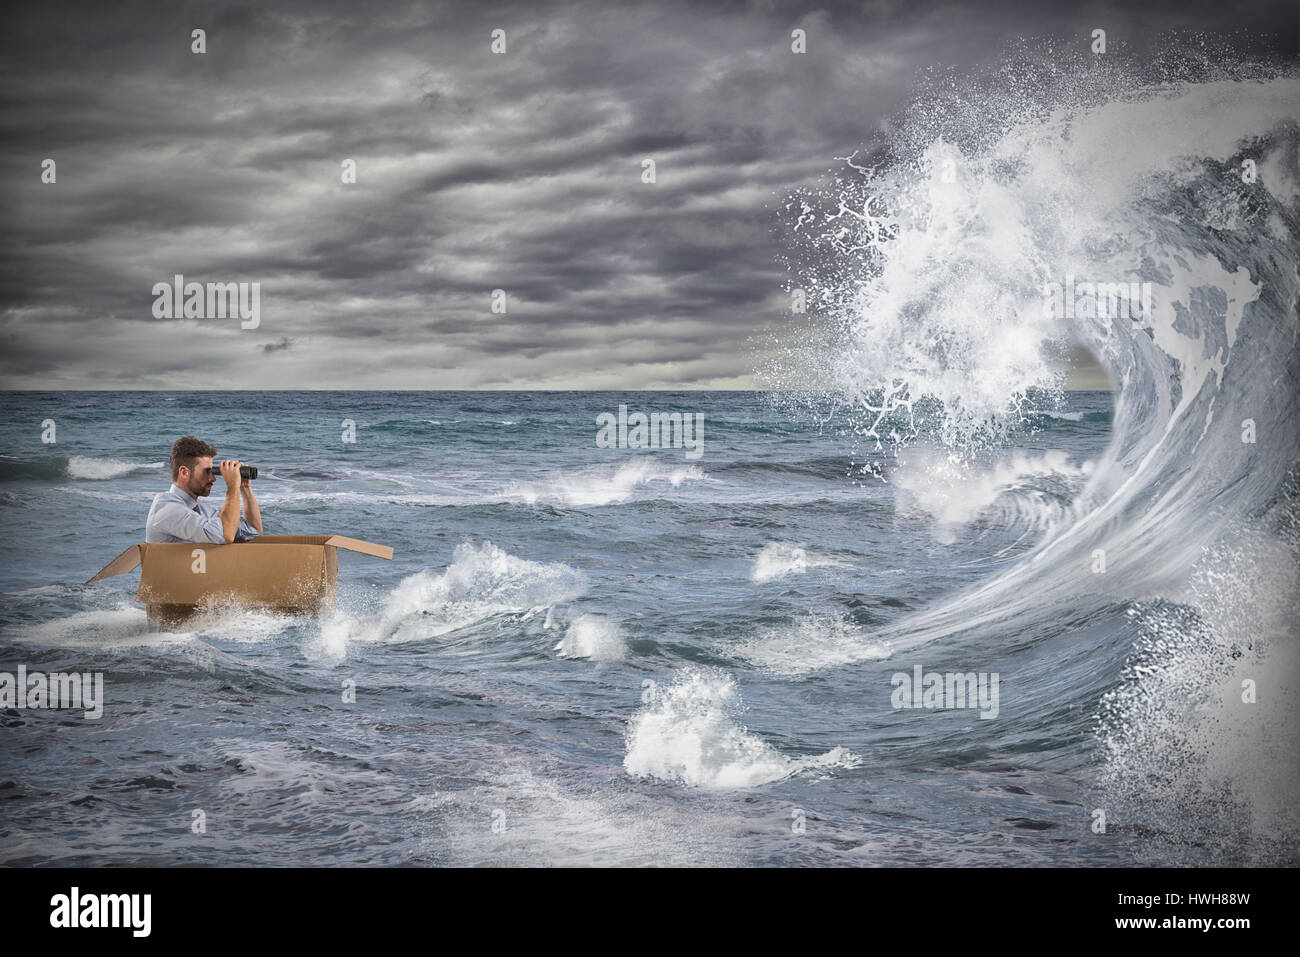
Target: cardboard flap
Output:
[(337, 541), (365, 548), (124, 563)]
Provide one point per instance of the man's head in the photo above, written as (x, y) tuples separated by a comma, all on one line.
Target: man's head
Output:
[(192, 467)]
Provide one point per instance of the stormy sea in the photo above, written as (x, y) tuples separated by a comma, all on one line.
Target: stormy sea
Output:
[(936, 611)]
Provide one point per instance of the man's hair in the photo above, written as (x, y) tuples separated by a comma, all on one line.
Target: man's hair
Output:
[(187, 450)]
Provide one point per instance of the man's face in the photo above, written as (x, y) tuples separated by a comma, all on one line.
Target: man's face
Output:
[(200, 479)]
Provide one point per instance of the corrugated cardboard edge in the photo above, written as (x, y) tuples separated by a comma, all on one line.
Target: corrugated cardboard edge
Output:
[(130, 559), (124, 563)]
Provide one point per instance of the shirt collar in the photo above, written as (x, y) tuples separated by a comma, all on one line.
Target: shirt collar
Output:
[(184, 494)]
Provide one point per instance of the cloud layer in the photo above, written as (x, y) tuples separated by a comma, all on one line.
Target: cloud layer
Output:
[(475, 172)]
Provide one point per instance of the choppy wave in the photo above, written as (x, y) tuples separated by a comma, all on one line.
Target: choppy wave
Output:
[(688, 734), (481, 582), (124, 629), (1023, 493), (80, 467), (605, 485), (810, 644), (595, 637), (779, 559), (88, 468)]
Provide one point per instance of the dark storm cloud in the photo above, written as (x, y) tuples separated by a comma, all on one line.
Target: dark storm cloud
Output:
[(475, 172)]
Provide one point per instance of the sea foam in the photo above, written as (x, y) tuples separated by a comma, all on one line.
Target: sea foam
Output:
[(688, 734)]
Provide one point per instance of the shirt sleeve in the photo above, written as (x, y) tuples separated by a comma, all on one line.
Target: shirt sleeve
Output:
[(246, 530), (173, 518)]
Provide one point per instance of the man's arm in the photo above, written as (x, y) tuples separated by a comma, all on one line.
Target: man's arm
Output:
[(252, 513), (230, 508)]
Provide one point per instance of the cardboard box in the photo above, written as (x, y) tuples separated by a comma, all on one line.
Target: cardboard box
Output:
[(296, 574)]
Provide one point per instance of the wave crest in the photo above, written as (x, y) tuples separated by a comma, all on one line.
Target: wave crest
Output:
[(688, 734)]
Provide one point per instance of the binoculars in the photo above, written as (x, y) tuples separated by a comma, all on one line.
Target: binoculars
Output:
[(247, 472)]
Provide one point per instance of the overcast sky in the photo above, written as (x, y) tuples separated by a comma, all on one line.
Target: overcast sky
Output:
[(475, 171)]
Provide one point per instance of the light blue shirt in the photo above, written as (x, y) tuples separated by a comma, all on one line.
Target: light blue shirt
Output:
[(177, 516)]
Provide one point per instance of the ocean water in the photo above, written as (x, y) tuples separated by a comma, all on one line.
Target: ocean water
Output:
[(610, 655), (501, 660), (585, 655)]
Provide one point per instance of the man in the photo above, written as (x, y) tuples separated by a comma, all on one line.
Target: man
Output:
[(178, 516)]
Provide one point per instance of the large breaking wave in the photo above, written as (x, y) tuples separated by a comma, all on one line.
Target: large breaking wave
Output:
[(926, 263)]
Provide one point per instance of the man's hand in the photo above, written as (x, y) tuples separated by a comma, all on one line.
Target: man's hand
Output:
[(230, 472)]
